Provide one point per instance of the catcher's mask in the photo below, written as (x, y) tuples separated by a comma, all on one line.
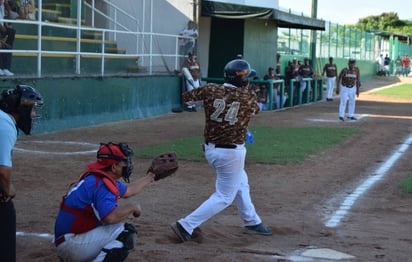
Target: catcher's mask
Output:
[(21, 100), (237, 72), (110, 154)]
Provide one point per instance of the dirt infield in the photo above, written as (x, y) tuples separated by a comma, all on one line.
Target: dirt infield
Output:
[(295, 200)]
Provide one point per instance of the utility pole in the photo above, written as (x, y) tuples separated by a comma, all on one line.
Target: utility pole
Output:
[(314, 14), (196, 19), (195, 11)]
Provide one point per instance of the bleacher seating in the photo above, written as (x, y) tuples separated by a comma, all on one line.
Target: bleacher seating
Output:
[(64, 40)]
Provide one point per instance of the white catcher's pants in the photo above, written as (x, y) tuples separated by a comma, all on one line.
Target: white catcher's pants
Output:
[(87, 246), (231, 185), (347, 93), (330, 84)]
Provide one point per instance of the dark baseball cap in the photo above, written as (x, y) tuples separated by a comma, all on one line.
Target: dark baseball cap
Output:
[(352, 60)]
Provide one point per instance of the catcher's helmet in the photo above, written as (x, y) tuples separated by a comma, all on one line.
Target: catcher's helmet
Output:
[(21, 100), (237, 72), (110, 154)]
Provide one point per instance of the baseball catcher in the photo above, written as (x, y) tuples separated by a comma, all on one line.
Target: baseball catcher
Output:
[(90, 213)]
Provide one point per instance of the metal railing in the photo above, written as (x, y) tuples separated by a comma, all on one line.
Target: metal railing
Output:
[(159, 55)]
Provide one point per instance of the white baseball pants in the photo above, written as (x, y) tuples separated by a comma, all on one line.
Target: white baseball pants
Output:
[(330, 84), (347, 94), (231, 186), (88, 245)]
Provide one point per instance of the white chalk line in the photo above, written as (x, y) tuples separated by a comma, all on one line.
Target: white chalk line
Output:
[(350, 200), (46, 235), (41, 235), (84, 152), (359, 117)]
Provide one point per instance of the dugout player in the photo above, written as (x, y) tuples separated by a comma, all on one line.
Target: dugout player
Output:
[(348, 85), (331, 71), (90, 224), (192, 76), (228, 109), (17, 109)]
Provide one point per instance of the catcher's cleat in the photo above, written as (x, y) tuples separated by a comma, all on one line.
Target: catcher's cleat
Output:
[(259, 229), (180, 232)]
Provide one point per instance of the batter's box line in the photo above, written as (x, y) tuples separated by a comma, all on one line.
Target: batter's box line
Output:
[(31, 151)]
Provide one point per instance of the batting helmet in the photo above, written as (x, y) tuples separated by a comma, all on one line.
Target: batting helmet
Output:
[(237, 72), (20, 101)]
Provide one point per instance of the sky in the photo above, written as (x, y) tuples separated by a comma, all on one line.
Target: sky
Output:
[(349, 11)]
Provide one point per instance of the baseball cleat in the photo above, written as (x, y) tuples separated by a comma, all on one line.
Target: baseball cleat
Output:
[(259, 229), (180, 232)]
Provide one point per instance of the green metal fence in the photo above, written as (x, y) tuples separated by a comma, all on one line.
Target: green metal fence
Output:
[(340, 41)]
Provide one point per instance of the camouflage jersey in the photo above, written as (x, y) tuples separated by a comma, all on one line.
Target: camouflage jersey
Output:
[(228, 110), (330, 69), (349, 76)]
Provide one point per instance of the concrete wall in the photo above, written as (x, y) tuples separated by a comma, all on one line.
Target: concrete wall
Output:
[(77, 102)]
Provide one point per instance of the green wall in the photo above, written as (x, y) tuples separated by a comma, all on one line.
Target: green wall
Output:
[(260, 44), (77, 102)]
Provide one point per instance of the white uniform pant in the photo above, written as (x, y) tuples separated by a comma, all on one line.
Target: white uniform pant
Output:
[(347, 94), (190, 85), (87, 246), (231, 186), (330, 84)]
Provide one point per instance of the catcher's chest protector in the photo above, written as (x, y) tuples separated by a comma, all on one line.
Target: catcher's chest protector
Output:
[(85, 218)]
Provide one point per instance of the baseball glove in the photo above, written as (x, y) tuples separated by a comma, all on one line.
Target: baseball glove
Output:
[(163, 165)]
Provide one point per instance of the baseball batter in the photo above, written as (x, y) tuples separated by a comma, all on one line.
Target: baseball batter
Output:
[(348, 85), (228, 109), (331, 71), (17, 109)]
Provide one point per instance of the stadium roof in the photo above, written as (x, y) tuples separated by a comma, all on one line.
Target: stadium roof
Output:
[(282, 19)]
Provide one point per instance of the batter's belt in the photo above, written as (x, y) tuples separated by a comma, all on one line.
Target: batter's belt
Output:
[(227, 146)]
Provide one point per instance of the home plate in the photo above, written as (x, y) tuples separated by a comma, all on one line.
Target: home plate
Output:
[(326, 253)]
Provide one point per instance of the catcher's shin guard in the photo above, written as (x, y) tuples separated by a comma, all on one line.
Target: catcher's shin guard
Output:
[(116, 255), (128, 238)]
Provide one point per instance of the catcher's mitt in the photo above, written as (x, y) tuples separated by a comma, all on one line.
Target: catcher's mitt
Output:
[(163, 165)]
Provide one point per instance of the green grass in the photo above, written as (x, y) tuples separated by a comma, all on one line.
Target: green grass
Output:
[(403, 91), (273, 145), (406, 185)]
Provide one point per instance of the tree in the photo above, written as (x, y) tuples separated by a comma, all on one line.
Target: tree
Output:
[(385, 22)]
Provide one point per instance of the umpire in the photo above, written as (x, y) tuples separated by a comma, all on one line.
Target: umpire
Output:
[(17, 111)]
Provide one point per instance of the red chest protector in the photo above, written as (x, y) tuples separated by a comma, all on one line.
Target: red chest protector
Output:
[(85, 218)]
